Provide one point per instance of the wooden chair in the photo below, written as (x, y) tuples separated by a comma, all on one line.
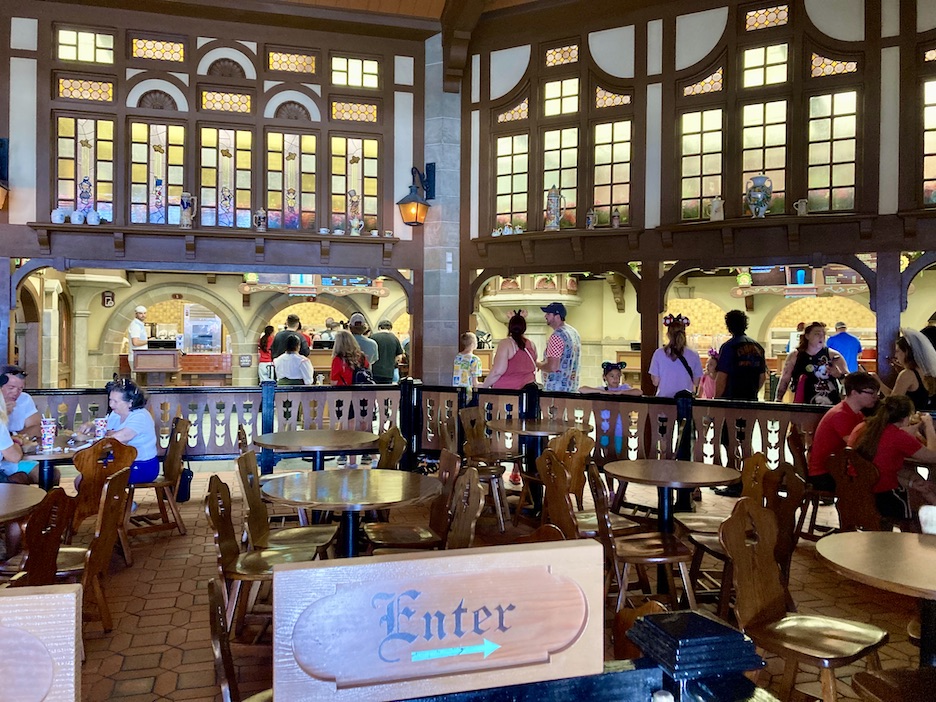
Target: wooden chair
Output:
[(479, 453), (624, 648), (166, 487), (96, 463), (639, 550), (854, 477), (42, 538), (315, 538), (753, 469), (796, 442), (391, 446), (225, 673), (749, 537), (243, 445), (236, 568), (574, 448), (393, 535), (467, 503), (895, 685), (542, 533), (555, 481)]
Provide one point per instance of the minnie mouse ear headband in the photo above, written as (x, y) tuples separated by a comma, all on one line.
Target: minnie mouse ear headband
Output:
[(519, 313), (678, 319), (713, 353), (608, 366)]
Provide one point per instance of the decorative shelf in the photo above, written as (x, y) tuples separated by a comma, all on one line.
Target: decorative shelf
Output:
[(575, 237), (118, 234)]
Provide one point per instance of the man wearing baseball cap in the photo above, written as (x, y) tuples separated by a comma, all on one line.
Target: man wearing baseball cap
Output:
[(560, 365), (357, 325), (23, 422), (846, 344), (137, 333)]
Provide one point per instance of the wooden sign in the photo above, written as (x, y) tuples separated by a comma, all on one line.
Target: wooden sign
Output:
[(40, 628), (393, 627)]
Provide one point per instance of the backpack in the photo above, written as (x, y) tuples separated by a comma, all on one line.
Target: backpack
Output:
[(362, 376)]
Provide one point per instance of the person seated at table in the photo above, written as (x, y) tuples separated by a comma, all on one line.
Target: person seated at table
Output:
[(292, 368), (611, 375), (130, 423), (887, 438), (11, 450), (23, 422), (861, 395), (347, 357), (917, 357)]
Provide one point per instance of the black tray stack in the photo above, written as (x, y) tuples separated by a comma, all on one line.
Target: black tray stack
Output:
[(692, 645)]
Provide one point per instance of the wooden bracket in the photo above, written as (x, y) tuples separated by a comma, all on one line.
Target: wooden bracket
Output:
[(633, 240), (527, 246), (259, 249), (910, 228), (727, 240), (482, 245), (45, 242), (324, 250), (190, 246), (387, 252), (120, 245), (577, 250), (666, 238), (793, 237)]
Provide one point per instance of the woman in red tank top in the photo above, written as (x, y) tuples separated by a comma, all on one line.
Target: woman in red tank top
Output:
[(514, 364)]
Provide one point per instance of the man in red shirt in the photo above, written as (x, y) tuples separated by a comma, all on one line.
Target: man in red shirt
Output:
[(861, 393)]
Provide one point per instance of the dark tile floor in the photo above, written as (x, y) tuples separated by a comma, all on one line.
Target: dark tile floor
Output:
[(160, 649)]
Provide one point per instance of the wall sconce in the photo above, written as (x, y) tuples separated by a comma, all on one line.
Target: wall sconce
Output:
[(413, 207)]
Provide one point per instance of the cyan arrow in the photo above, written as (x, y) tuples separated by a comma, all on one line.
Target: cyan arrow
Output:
[(487, 648)]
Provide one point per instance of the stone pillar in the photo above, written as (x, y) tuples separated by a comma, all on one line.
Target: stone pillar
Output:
[(49, 340), (80, 349), (440, 234)]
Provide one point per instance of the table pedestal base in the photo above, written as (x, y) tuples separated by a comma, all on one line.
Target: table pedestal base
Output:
[(346, 543), (927, 633)]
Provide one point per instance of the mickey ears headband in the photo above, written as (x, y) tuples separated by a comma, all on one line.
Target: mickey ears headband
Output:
[(678, 319), (611, 365), (520, 313)]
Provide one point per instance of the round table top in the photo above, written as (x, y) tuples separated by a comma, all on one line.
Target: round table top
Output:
[(18, 500), (671, 473), (536, 427), (317, 440), (352, 489), (895, 561)]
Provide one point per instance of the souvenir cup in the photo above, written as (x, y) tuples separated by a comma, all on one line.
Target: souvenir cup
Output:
[(47, 428), (100, 427)]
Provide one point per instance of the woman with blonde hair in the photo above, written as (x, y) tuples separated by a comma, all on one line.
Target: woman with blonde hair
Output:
[(675, 369), (916, 355)]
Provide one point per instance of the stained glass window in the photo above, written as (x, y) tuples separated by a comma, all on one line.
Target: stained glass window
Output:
[(157, 172), (512, 179), (354, 169), (930, 55), (709, 84), (225, 177), (562, 55), (561, 97), (560, 168), (291, 180), (765, 65), (157, 50), (291, 62), (605, 98), (83, 89), (764, 140), (355, 73), (225, 102), (89, 47), (85, 165), (766, 17), (822, 66), (929, 143), (612, 171), (518, 112), (833, 133), (354, 111), (700, 162)]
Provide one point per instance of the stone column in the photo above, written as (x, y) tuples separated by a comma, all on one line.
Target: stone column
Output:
[(50, 333), (441, 232), (80, 349)]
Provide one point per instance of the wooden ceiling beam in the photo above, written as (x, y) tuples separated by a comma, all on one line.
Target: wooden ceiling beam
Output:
[(459, 18)]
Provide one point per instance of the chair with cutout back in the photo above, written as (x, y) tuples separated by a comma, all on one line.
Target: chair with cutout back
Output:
[(225, 672), (467, 503), (855, 476), (42, 538), (479, 453), (166, 487)]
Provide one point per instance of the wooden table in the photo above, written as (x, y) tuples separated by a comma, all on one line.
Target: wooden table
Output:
[(16, 502), (47, 459), (318, 442), (898, 562), (668, 474), (351, 491)]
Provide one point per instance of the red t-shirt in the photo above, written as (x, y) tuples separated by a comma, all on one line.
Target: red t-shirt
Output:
[(265, 355), (341, 371), (895, 445), (834, 428)]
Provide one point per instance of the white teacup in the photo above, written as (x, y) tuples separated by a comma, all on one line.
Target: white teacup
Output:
[(324, 230), (374, 232), (77, 217), (339, 232), (93, 217)]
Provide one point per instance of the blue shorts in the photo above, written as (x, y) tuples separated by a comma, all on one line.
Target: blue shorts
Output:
[(144, 471)]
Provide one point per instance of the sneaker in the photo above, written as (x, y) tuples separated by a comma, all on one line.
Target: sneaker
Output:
[(342, 460), (133, 507), (366, 458), (730, 491)]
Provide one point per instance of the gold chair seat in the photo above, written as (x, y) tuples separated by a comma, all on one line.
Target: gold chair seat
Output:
[(493, 457), (70, 560), (700, 523), (258, 565), (820, 641), (312, 537), (387, 535), (587, 520), (265, 696), (710, 544), (651, 549)]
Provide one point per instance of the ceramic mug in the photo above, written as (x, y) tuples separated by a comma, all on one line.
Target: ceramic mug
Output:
[(801, 207), (58, 216), (374, 232), (93, 217), (77, 217), (339, 232)]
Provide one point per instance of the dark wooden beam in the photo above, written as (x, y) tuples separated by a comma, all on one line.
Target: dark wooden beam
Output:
[(459, 18)]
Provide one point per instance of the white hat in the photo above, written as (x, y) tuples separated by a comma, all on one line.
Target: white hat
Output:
[(140, 308)]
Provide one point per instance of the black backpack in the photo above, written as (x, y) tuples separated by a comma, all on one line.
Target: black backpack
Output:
[(362, 376)]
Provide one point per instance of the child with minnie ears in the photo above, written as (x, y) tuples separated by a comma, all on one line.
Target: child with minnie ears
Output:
[(611, 374)]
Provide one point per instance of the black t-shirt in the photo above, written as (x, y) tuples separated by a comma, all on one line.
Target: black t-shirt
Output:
[(279, 343), (742, 360), (388, 346)]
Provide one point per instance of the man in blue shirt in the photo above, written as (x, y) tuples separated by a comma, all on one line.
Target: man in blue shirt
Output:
[(846, 344)]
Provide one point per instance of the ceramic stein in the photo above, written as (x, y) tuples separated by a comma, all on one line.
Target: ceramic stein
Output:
[(260, 220), (189, 205), (77, 217), (93, 217), (801, 207), (58, 216)]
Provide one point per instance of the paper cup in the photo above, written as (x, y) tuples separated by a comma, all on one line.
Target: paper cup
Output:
[(47, 428), (100, 427)]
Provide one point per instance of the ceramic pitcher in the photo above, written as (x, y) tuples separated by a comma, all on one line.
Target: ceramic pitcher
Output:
[(717, 209), (260, 220), (555, 209), (801, 207), (189, 205), (758, 195)]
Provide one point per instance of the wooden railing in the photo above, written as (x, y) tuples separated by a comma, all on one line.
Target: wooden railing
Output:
[(624, 427)]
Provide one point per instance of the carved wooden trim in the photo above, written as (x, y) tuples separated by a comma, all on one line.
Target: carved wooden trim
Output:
[(666, 238), (633, 240), (793, 237), (727, 240), (324, 250), (259, 249), (387, 252), (527, 246), (190, 246), (577, 250), (45, 243), (120, 248)]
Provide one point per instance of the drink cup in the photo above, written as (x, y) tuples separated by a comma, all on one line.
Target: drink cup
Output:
[(47, 428), (100, 427)]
